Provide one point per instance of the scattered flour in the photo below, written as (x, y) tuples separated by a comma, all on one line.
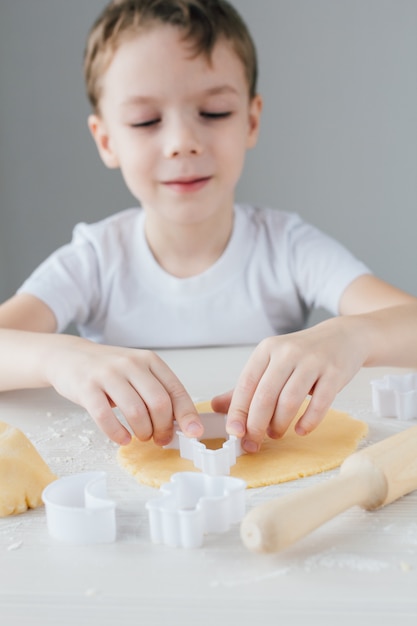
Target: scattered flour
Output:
[(344, 560), (406, 534), (14, 546), (405, 567)]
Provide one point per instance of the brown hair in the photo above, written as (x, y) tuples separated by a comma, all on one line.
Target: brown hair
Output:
[(203, 23)]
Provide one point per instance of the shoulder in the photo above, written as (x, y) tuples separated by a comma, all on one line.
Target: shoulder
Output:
[(268, 219), (116, 226), (287, 237), (268, 226), (283, 225)]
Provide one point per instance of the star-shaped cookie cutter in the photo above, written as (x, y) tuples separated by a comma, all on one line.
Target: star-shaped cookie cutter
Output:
[(395, 396), (212, 462), (192, 505)]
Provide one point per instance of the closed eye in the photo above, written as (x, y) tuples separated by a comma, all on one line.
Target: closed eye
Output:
[(215, 116), (147, 123)]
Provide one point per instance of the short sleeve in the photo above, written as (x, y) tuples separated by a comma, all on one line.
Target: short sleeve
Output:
[(68, 282), (322, 267)]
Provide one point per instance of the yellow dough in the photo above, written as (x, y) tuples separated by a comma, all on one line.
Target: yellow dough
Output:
[(23, 472), (278, 460)]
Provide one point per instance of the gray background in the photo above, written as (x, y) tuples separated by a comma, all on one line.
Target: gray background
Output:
[(338, 141)]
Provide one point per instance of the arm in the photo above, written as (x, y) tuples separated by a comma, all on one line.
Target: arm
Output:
[(377, 326), (95, 376), (389, 319)]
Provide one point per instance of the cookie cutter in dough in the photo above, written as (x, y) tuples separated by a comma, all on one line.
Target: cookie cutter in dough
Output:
[(192, 505), (395, 396), (212, 462), (78, 509)]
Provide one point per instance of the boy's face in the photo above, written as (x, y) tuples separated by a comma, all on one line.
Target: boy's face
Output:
[(176, 125)]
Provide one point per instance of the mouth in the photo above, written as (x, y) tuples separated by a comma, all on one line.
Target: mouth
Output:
[(187, 184)]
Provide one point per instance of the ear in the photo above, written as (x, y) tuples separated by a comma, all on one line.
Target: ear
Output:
[(255, 110), (102, 140)]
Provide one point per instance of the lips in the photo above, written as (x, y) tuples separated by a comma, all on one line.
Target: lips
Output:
[(187, 185)]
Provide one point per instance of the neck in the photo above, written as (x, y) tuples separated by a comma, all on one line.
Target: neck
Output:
[(188, 250)]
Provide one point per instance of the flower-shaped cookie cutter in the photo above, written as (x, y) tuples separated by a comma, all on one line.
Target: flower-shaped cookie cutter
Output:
[(212, 462), (395, 396), (192, 505), (78, 510)]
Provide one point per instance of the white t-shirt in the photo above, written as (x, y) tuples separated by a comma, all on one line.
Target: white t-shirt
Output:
[(274, 270)]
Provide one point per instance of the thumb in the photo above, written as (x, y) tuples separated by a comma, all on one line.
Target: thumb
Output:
[(221, 403)]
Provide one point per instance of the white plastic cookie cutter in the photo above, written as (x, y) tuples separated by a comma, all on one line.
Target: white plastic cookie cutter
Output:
[(78, 510), (395, 396), (192, 505), (212, 462)]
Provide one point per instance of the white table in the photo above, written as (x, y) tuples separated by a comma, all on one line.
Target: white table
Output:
[(360, 567)]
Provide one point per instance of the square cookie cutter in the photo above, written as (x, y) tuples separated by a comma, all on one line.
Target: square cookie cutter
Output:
[(395, 396), (192, 505), (212, 462), (78, 510)]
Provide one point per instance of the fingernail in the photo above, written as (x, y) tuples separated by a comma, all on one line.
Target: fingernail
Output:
[(300, 431), (250, 446), (236, 428), (194, 429), (163, 442), (125, 439)]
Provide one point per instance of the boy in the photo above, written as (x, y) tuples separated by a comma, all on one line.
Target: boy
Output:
[(172, 84)]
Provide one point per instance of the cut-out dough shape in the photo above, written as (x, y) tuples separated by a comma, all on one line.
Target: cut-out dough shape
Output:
[(23, 472), (278, 460)]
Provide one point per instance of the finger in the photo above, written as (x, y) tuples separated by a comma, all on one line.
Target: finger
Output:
[(324, 393), (221, 403), (182, 406), (264, 403), (255, 397), (98, 407), (263, 408), (292, 395), (248, 381), (156, 420), (129, 402)]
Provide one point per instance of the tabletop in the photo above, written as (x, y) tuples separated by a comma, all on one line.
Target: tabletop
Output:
[(361, 565)]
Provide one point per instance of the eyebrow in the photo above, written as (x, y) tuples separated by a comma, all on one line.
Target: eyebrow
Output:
[(211, 91)]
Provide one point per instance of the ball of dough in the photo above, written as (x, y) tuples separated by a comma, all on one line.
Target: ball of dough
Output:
[(23, 472)]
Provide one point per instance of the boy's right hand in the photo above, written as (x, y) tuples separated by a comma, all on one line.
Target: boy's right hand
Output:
[(138, 382)]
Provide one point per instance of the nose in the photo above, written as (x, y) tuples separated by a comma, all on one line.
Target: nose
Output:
[(182, 139)]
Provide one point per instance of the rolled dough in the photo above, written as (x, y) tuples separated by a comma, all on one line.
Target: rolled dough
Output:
[(278, 461), (23, 472)]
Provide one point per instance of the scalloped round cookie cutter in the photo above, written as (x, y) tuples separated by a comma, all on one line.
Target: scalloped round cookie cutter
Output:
[(78, 510), (192, 505), (212, 462), (395, 396)]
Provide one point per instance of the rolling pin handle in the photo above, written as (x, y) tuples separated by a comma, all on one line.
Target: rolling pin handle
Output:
[(275, 525)]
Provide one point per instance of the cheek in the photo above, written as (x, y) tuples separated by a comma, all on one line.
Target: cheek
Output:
[(234, 152), (136, 173), (136, 159), (235, 142)]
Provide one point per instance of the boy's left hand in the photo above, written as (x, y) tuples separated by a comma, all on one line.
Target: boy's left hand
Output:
[(282, 371)]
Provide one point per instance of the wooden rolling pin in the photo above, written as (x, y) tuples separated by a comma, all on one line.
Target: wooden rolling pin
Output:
[(370, 478)]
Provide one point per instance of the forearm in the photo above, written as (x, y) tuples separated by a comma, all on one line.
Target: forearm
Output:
[(389, 335), (24, 356)]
